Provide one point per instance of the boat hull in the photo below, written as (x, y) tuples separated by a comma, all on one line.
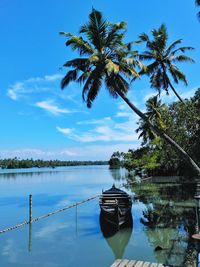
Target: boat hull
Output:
[(115, 206)]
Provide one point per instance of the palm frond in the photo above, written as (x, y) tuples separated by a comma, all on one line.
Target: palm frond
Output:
[(83, 77), (93, 91), (160, 37), (95, 74), (115, 34), (69, 77), (173, 45), (77, 43), (95, 29), (116, 83), (182, 49), (143, 37), (177, 75), (78, 63), (127, 67), (183, 58)]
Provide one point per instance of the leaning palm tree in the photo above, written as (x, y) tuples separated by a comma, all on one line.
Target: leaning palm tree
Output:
[(162, 70), (105, 59)]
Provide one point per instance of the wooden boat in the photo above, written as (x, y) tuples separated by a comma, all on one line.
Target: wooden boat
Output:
[(115, 207)]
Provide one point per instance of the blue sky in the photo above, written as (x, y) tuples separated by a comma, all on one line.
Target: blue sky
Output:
[(38, 119)]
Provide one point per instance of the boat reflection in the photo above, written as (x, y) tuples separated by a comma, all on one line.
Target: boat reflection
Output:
[(117, 239)]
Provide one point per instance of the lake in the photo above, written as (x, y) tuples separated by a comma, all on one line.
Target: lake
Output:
[(164, 218)]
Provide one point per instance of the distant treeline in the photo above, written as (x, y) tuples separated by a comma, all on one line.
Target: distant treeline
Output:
[(16, 163)]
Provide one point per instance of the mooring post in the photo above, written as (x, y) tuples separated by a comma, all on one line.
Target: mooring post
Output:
[(76, 219), (30, 238), (30, 208)]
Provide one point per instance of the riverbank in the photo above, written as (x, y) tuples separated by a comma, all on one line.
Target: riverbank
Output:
[(16, 163)]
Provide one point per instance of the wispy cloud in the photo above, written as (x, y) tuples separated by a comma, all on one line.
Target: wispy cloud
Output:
[(101, 121), (45, 93), (51, 107), (36, 153), (34, 85), (107, 130), (65, 131), (169, 98), (86, 152)]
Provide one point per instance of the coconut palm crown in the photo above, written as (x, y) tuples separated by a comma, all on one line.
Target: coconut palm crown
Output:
[(163, 69), (103, 58), (153, 113)]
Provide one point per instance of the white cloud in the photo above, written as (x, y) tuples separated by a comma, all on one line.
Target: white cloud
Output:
[(22, 89), (169, 98), (49, 106), (53, 77), (88, 152), (65, 131), (107, 131), (36, 153), (14, 91), (101, 121), (123, 114)]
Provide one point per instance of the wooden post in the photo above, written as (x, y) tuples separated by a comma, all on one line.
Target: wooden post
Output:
[(30, 238), (76, 219), (30, 208)]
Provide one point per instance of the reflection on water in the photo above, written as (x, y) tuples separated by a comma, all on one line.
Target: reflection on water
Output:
[(164, 220), (169, 219), (117, 239)]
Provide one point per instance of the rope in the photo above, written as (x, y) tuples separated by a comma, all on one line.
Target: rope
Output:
[(60, 210), (47, 215)]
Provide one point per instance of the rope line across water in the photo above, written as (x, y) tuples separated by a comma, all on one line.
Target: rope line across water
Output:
[(47, 215), (59, 210)]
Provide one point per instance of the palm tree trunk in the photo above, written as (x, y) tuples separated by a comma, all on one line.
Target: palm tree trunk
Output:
[(162, 134), (174, 91)]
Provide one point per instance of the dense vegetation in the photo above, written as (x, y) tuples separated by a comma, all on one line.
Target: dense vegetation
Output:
[(179, 120), (30, 163)]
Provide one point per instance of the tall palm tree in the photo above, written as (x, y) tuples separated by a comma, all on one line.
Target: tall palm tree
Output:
[(107, 60), (162, 70)]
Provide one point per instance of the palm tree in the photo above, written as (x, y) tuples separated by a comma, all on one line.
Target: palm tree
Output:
[(164, 58), (107, 60), (154, 108)]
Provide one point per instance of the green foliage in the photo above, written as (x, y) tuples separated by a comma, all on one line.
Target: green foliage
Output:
[(16, 163), (181, 121), (106, 58), (163, 57)]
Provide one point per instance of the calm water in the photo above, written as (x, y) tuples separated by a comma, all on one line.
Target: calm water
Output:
[(163, 220)]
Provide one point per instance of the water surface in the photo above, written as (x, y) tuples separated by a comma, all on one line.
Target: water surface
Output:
[(163, 220)]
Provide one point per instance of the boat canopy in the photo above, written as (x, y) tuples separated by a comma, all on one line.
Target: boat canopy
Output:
[(113, 190)]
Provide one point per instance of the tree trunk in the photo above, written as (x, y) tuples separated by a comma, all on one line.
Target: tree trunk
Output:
[(162, 134), (174, 91)]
